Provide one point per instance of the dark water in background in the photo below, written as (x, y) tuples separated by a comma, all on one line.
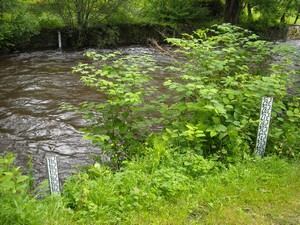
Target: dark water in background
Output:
[(33, 86)]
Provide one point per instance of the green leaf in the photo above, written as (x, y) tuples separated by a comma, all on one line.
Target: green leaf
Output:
[(216, 120), (280, 119), (222, 135), (165, 137), (22, 178), (213, 133), (226, 101), (129, 135), (211, 107), (231, 96), (220, 128), (236, 123), (7, 185)]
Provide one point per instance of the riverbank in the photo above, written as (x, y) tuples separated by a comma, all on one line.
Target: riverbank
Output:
[(105, 36), (118, 35), (257, 191)]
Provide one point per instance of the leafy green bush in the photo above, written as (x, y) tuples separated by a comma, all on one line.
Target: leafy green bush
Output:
[(184, 11), (226, 73), (19, 205), (15, 204), (211, 108), (17, 26), (49, 21), (11, 178), (121, 122), (109, 37), (161, 175), (153, 187)]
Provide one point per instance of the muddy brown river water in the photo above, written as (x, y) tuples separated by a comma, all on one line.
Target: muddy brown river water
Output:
[(33, 86)]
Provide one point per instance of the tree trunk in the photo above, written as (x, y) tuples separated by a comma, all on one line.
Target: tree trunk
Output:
[(282, 18), (297, 16), (232, 11), (249, 10), (296, 19)]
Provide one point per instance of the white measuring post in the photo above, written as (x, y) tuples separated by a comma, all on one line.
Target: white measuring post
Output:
[(53, 174), (263, 127), (59, 39)]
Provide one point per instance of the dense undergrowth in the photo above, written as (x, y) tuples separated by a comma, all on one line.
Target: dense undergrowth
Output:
[(256, 191), (185, 157)]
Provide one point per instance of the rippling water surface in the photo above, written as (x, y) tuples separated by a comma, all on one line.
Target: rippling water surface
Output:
[(33, 86)]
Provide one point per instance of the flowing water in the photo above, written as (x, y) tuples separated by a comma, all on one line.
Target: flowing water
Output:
[(295, 89), (33, 86)]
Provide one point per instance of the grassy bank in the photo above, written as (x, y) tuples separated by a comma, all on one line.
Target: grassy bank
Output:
[(254, 192), (257, 192)]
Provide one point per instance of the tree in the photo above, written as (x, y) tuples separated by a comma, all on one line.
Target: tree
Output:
[(183, 11), (16, 24), (297, 10), (296, 19), (271, 11), (7, 6), (81, 14), (232, 11)]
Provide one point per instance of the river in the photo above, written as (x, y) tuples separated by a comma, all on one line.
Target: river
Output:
[(33, 86)]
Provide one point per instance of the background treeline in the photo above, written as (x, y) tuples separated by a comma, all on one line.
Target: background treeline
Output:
[(22, 19)]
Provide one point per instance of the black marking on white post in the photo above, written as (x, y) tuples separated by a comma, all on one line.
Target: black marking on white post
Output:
[(263, 127), (53, 174)]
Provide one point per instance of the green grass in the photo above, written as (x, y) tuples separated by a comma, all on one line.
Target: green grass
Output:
[(258, 191), (261, 192)]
